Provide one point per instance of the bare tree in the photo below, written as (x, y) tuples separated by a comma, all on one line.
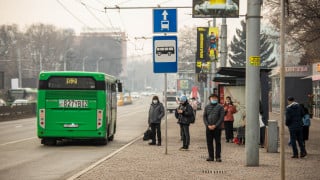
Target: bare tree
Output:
[(302, 26)]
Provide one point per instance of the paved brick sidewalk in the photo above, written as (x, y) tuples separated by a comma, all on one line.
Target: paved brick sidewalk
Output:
[(141, 161)]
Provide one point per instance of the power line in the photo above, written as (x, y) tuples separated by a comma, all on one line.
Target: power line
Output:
[(147, 7), (75, 17), (93, 15)]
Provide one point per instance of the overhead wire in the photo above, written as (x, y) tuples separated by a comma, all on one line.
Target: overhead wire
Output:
[(74, 16)]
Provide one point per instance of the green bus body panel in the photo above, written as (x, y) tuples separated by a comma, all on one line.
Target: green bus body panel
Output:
[(84, 119)]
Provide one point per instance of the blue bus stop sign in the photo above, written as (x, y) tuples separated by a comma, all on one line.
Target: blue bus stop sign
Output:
[(164, 20), (165, 54)]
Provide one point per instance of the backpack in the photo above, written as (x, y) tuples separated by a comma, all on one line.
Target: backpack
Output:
[(192, 118)]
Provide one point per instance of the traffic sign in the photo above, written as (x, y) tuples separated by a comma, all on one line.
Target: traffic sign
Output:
[(165, 54), (164, 20)]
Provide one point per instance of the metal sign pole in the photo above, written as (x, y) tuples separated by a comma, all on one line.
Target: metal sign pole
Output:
[(165, 111)]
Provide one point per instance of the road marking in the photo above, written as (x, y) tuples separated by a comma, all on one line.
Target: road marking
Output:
[(17, 141), (18, 126), (103, 159)]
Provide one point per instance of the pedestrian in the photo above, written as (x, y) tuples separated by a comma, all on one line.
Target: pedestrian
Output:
[(156, 113), (294, 114), (213, 116), (306, 124), (229, 110), (184, 113), (194, 104), (241, 131)]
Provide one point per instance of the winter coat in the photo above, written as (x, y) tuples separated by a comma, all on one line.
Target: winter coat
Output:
[(229, 111), (213, 115), (294, 114), (186, 115), (156, 113)]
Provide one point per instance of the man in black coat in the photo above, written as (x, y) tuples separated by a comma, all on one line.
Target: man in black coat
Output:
[(213, 116), (294, 114)]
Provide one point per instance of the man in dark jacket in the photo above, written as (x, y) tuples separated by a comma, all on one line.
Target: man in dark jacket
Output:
[(183, 113), (213, 116), (156, 113), (294, 114)]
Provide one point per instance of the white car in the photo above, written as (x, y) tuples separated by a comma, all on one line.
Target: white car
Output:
[(19, 102), (2, 102), (135, 95)]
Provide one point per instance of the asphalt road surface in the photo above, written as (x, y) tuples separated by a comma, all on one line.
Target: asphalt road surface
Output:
[(23, 157)]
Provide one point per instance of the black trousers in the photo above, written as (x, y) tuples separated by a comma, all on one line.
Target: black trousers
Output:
[(228, 128), (185, 135), (156, 129), (296, 135), (216, 136)]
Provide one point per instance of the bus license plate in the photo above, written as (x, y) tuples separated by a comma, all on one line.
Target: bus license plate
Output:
[(66, 103)]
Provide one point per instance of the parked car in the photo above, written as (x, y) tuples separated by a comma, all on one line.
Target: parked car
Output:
[(2, 102), (19, 102)]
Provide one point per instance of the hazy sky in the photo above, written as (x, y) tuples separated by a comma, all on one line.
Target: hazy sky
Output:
[(78, 14)]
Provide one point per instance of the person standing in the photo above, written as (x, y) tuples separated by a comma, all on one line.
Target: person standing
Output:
[(294, 114), (306, 124), (213, 116), (229, 109), (156, 113), (194, 104), (183, 113)]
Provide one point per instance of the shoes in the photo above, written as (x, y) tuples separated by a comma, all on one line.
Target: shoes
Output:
[(210, 159), (227, 140), (218, 160), (303, 155), (159, 144), (294, 156), (152, 143), (183, 149)]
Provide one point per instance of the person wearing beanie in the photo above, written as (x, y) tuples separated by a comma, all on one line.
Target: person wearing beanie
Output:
[(183, 113)]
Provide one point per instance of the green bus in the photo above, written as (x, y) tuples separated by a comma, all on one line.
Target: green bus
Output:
[(77, 105)]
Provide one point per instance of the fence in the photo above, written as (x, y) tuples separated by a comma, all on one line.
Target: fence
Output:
[(17, 112)]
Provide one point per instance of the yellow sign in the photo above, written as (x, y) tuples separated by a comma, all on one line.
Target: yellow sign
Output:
[(71, 81), (217, 1), (255, 60)]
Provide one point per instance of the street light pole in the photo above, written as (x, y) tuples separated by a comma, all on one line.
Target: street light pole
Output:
[(282, 89), (252, 82), (83, 62), (97, 64)]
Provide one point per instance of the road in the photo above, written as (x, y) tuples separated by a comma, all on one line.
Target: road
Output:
[(23, 157)]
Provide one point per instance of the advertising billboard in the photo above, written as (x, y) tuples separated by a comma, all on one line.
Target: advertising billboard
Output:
[(207, 48), (215, 8)]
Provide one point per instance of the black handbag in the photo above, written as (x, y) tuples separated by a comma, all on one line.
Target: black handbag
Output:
[(147, 135)]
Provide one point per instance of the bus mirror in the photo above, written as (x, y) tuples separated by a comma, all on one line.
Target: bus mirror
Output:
[(119, 87)]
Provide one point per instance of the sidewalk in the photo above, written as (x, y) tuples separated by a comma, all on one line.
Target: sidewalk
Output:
[(141, 161)]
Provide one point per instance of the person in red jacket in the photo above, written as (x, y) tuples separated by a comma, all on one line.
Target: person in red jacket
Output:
[(229, 110)]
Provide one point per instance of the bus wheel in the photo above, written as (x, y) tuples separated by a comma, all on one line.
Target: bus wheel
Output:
[(49, 142), (111, 138)]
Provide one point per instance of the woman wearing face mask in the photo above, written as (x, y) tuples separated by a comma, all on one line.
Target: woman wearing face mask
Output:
[(229, 109), (156, 113)]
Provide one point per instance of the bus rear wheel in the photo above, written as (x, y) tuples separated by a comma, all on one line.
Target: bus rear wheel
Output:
[(49, 142)]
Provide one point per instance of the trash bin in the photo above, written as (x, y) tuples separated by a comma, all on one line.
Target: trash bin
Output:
[(272, 136)]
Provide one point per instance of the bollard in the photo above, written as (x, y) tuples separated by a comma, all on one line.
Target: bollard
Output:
[(272, 136)]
